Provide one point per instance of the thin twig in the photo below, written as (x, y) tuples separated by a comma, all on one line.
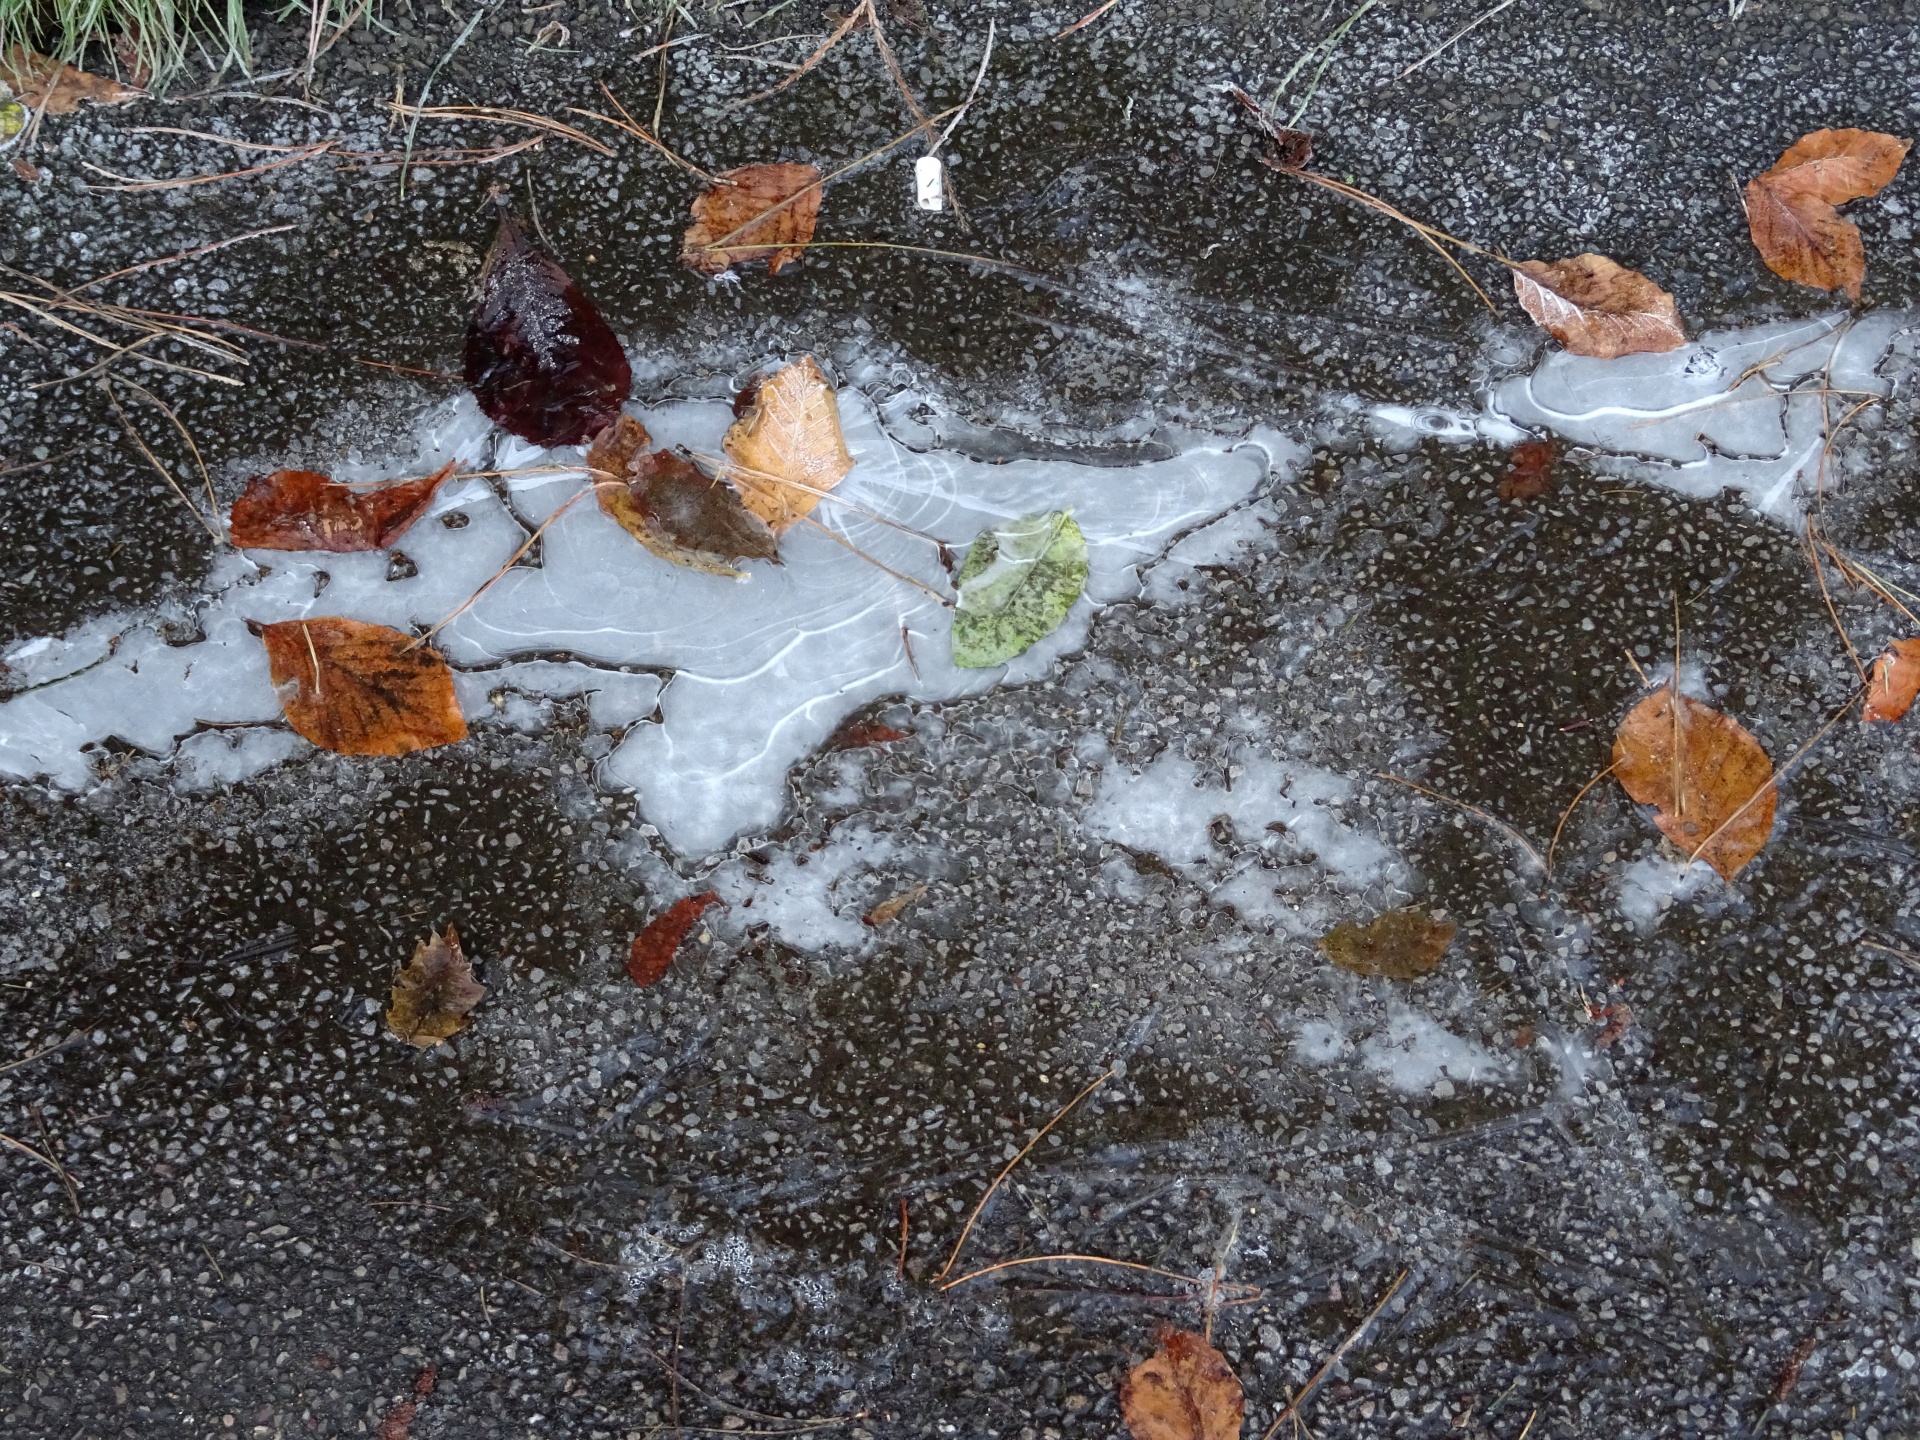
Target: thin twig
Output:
[(213, 505), (73, 1190), (1038, 1135), (183, 255), (1086, 20), (904, 579), (900, 1265), (131, 183), (979, 76), (1306, 1392), (1086, 1260), (154, 460), (1567, 814), (1494, 820), (512, 560), (1454, 39), (860, 12)]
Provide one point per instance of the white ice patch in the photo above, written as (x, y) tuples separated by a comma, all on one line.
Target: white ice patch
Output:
[(759, 671), (1408, 425), (810, 899), (1415, 1052), (1654, 884), (1735, 409), (1290, 810)]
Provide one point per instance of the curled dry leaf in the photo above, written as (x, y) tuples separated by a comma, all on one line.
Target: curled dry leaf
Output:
[(1529, 470), (1700, 770), (1790, 208), (1185, 1390), (1402, 944), (360, 689), (787, 448), (1895, 682), (434, 993), (672, 507), (299, 510), (891, 909), (746, 194), (34, 78), (654, 947), (539, 359), (1017, 586), (1597, 308)]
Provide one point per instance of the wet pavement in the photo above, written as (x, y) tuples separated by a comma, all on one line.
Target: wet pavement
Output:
[(606, 1211)]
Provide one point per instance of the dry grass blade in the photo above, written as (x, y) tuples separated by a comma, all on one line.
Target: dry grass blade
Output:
[(1306, 1391), (1453, 39), (862, 11), (371, 159), (72, 1187), (128, 182), (1096, 1260), (1086, 19), (500, 115), (640, 132), (210, 526), (1567, 814), (880, 565), (1493, 820), (1431, 235), (192, 254)]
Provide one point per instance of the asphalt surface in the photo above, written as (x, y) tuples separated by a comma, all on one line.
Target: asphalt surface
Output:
[(281, 1216)]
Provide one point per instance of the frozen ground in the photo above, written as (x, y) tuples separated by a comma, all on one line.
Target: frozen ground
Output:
[(1608, 1228)]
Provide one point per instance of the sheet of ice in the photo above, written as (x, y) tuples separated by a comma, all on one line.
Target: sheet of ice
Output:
[(1654, 884), (1734, 409), (812, 899), (747, 676), (1292, 810), (1415, 1052)]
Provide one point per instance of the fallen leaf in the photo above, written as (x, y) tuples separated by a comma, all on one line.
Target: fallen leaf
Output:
[(654, 947), (360, 689), (1790, 208), (666, 503), (1597, 308), (1529, 470), (889, 910), (1185, 1390), (788, 448), (399, 1422), (539, 359), (1291, 149), (26, 169), (1402, 944), (1523, 1038), (299, 510), (1789, 1375), (1895, 683), (1699, 769), (34, 78), (744, 195), (434, 992), (1619, 1020), (13, 119), (1016, 587), (857, 736)]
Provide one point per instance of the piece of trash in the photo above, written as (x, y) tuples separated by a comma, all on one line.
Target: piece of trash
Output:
[(929, 183)]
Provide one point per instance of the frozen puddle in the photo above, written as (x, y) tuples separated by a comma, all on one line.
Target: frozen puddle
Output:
[(716, 687)]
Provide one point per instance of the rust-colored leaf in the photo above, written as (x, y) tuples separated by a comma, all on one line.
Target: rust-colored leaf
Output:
[(1895, 683), (859, 735), (654, 947), (1185, 1390), (891, 909), (1619, 1020), (539, 359), (1700, 770), (398, 1424), (1789, 1376), (34, 78), (1597, 308), (1402, 944), (299, 510), (674, 509), (1790, 208), (747, 193), (1529, 470), (788, 448), (434, 992), (360, 689)]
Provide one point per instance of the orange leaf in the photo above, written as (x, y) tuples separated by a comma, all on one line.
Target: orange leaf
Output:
[(1895, 683), (666, 503), (1530, 470), (1790, 209), (788, 447), (1700, 770), (360, 689), (1185, 1390), (34, 78), (299, 510), (654, 947), (434, 992), (1597, 308), (890, 909), (748, 193)]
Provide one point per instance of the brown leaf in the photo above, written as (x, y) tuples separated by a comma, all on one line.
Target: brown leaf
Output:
[(1698, 769), (399, 1422), (1619, 1020), (859, 735), (299, 510), (26, 169), (666, 503), (1530, 470), (433, 992), (33, 78), (1597, 308), (1402, 944), (538, 358), (1185, 1390), (654, 947), (1790, 208), (889, 910), (360, 689), (1895, 683), (751, 191), (788, 446)]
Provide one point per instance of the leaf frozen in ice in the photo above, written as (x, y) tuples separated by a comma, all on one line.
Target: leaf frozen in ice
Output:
[(1707, 778), (670, 506), (299, 510), (654, 947), (1019, 582), (1402, 944), (1597, 308), (434, 992), (360, 689), (1185, 1390), (788, 448), (743, 195)]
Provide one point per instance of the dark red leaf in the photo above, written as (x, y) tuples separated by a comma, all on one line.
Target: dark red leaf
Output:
[(1530, 470), (654, 947), (539, 359), (299, 510), (399, 1422), (864, 733)]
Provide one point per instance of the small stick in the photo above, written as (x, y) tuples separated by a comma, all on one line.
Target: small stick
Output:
[(1567, 814), (1293, 1405), (1038, 1135), (900, 1265), (213, 1262), (1087, 19), (1494, 820), (979, 76), (1453, 39), (1085, 1260)]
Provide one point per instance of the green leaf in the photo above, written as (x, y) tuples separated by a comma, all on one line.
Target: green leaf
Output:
[(1018, 584), (13, 119)]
